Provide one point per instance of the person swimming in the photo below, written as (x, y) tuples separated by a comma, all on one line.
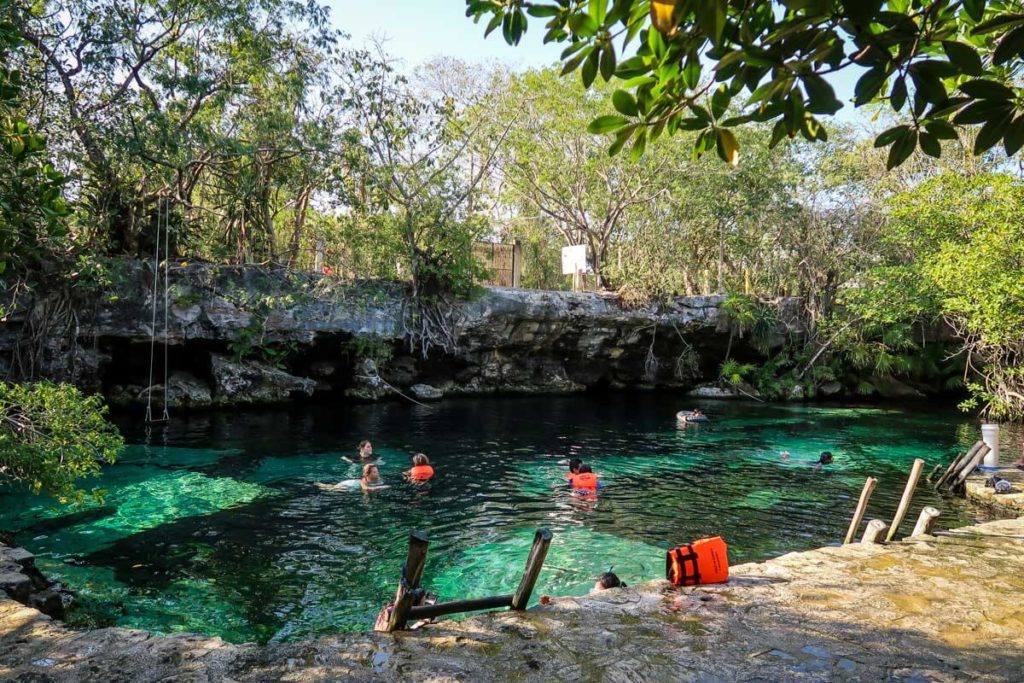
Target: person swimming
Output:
[(421, 469), (365, 452), (370, 481), (574, 468), (826, 458), (606, 581), (585, 480)]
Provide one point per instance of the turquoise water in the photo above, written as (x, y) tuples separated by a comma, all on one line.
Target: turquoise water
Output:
[(212, 523)]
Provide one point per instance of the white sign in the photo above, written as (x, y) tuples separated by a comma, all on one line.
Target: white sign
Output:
[(574, 259)]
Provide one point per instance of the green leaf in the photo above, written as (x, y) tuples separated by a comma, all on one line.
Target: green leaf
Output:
[(987, 90), (1014, 138), (720, 102), (1011, 45), (902, 148), (691, 71), (778, 132), (890, 136), (930, 145), (621, 138), (606, 124), (608, 62), (898, 96), (929, 87), (999, 23), (711, 18), (598, 10), (624, 103), (964, 56), (542, 11), (727, 146), (822, 97), (991, 133), (589, 71), (982, 111), (941, 130), (869, 84), (975, 9), (639, 146)]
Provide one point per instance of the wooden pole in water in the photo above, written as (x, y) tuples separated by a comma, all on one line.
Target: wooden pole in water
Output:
[(925, 522), (442, 608), (862, 506), (935, 470), (908, 494), (541, 541), (958, 462), (410, 581), (873, 532)]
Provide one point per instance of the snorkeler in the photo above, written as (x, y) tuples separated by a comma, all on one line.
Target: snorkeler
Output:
[(421, 469), (370, 481), (826, 458), (606, 581), (365, 452)]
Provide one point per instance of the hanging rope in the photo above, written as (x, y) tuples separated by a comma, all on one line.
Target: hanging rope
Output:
[(152, 327), (167, 294)]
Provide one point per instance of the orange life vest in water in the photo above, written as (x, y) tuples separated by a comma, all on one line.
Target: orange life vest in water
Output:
[(421, 472), (586, 481), (700, 562)]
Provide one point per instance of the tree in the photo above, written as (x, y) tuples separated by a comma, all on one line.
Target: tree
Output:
[(942, 64)]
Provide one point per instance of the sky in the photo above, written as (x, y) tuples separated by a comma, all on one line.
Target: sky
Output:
[(415, 31)]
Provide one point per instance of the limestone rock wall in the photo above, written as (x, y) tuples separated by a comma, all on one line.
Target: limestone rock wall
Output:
[(249, 335)]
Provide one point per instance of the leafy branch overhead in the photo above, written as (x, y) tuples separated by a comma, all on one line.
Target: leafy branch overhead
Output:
[(712, 65)]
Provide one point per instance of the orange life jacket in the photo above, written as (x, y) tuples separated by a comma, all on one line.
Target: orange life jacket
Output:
[(700, 562), (421, 472), (585, 481)]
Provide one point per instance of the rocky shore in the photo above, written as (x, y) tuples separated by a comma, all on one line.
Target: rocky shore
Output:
[(931, 609)]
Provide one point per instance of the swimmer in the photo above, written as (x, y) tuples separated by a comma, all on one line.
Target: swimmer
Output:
[(826, 458), (585, 480), (574, 468), (421, 470), (606, 581), (365, 452), (370, 481)]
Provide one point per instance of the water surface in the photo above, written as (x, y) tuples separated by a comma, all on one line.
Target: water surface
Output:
[(212, 523)]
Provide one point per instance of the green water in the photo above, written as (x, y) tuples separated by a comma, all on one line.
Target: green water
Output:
[(212, 523)]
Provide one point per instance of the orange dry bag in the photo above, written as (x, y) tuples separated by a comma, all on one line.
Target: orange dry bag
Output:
[(703, 561)]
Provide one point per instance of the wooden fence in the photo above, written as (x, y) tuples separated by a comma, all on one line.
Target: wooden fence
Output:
[(504, 261)]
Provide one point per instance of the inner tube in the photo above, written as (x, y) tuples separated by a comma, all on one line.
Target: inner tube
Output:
[(688, 416)]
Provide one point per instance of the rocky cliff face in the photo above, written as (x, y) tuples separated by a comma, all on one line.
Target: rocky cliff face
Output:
[(246, 335)]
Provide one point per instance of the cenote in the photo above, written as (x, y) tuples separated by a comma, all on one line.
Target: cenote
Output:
[(212, 523)]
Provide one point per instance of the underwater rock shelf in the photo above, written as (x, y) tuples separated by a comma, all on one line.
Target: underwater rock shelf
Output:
[(938, 608)]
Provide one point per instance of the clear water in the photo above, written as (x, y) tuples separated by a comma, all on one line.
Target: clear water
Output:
[(213, 524)]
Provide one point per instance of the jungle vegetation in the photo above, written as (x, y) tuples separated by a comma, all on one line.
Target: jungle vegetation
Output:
[(254, 133)]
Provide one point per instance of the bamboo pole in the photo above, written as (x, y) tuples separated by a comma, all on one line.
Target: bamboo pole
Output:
[(958, 462), (908, 495), (873, 532), (862, 506), (410, 581), (925, 522), (935, 470), (541, 541)]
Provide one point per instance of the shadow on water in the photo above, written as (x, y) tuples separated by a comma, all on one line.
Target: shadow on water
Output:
[(212, 522)]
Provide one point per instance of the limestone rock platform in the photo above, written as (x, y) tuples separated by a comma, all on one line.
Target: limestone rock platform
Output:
[(946, 608)]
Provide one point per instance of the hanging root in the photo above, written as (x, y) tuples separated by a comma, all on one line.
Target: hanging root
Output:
[(687, 364), (651, 362), (432, 324)]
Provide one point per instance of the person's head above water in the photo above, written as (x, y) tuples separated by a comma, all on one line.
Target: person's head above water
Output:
[(574, 465), (584, 469), (371, 473), (825, 458), (420, 459), (608, 580), (365, 449)]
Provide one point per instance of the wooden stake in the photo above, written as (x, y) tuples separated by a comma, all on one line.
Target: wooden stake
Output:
[(873, 532), (908, 495), (935, 470), (410, 581), (541, 541), (925, 522), (958, 462), (971, 466), (442, 608), (862, 506)]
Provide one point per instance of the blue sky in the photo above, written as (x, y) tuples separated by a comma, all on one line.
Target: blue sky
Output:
[(415, 31)]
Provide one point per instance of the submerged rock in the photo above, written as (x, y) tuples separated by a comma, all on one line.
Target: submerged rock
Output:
[(425, 392)]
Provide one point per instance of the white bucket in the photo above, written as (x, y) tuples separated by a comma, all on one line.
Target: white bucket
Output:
[(990, 435)]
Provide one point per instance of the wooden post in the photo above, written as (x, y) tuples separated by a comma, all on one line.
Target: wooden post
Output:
[(541, 541), (873, 532), (970, 467), (908, 494), (410, 581), (517, 263), (442, 608), (935, 470), (862, 506), (925, 522), (958, 462)]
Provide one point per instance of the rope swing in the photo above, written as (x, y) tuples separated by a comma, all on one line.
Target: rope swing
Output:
[(163, 204)]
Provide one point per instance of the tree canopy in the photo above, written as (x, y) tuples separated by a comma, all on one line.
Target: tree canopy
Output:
[(709, 66)]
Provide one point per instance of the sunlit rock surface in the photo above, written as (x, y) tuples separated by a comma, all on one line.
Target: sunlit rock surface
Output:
[(936, 609)]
